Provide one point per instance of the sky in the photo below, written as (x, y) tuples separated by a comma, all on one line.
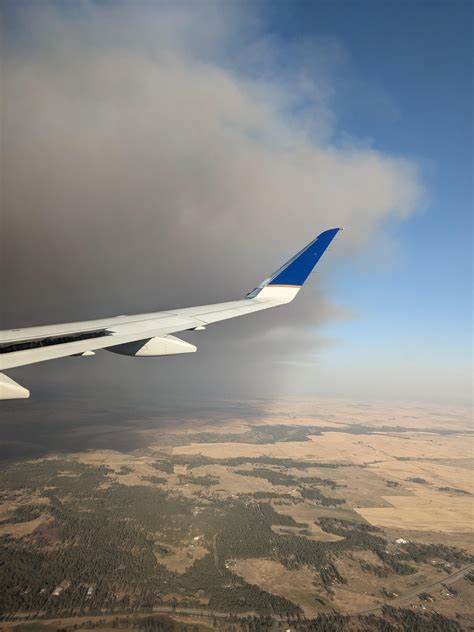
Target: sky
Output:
[(167, 154)]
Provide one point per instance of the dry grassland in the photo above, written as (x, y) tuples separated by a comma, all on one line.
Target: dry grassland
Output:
[(364, 590), (317, 534), (233, 483), (181, 469), (383, 457), (361, 486), (460, 604), (179, 558), (297, 450), (427, 510), (460, 477), (344, 447), (365, 449), (308, 513), (22, 529), (300, 586), (141, 466), (456, 539), (374, 482), (8, 506), (327, 411)]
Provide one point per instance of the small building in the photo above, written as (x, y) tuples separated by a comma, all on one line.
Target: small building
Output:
[(401, 541), (61, 588)]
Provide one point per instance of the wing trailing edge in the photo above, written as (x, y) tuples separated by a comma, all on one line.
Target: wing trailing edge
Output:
[(9, 389)]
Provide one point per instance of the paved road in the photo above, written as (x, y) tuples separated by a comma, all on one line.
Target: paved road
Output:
[(207, 614), (412, 595)]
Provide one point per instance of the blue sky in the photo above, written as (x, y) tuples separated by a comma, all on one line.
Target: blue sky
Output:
[(406, 85)]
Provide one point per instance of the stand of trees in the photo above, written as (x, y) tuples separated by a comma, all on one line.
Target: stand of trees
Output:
[(99, 546), (428, 552)]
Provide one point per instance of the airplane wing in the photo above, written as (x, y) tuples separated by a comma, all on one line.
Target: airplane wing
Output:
[(150, 334)]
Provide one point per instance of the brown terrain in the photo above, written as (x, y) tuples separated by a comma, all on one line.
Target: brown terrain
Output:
[(405, 469)]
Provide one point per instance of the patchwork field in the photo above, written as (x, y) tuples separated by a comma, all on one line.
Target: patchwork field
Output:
[(430, 476), (295, 513), (425, 510)]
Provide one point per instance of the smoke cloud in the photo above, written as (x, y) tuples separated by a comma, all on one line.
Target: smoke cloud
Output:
[(158, 155)]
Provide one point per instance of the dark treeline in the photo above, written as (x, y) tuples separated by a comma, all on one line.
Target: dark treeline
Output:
[(429, 552), (313, 493), (197, 460), (164, 466), (365, 537), (24, 513), (277, 477), (203, 481), (261, 434), (454, 490), (156, 480)]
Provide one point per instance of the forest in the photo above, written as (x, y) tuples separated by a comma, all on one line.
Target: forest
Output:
[(95, 549)]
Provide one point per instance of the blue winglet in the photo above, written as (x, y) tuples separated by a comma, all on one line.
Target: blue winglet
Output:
[(295, 271), (298, 269)]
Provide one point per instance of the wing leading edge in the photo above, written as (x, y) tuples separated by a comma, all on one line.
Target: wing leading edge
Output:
[(150, 334)]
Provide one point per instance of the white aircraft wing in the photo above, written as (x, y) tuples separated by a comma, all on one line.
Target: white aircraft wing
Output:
[(150, 334)]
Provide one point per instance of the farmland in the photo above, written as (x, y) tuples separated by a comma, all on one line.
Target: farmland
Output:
[(301, 519)]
